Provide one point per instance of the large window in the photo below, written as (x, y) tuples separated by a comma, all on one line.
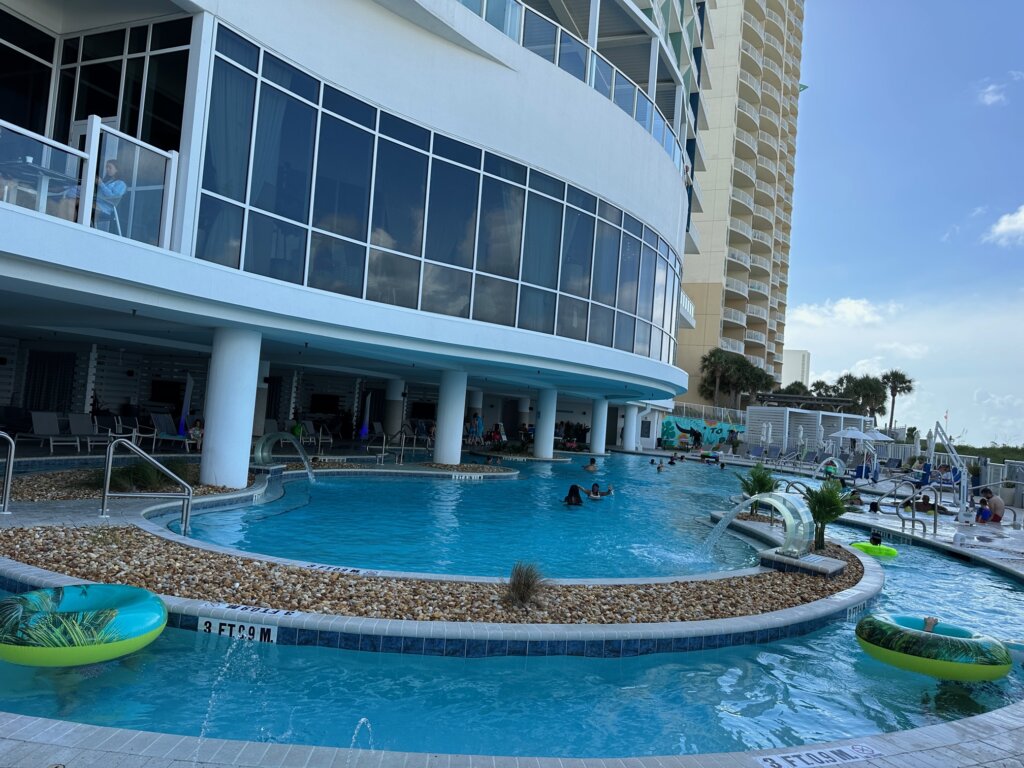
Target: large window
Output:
[(26, 64), (305, 183)]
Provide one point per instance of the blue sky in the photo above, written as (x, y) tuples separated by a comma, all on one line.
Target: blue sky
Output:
[(908, 214)]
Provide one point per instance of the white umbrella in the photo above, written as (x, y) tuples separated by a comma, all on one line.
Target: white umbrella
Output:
[(800, 436), (879, 437), (851, 433), (769, 433), (821, 435), (764, 433), (931, 446)]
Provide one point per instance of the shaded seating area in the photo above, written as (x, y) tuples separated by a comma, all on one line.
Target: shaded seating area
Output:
[(165, 431), (82, 426), (46, 429)]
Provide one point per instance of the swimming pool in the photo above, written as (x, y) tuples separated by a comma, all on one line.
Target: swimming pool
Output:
[(654, 524), (808, 689)]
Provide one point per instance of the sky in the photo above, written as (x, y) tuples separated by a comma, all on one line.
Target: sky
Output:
[(908, 212)]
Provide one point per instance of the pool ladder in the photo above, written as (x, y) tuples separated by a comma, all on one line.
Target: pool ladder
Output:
[(185, 494), (5, 497)]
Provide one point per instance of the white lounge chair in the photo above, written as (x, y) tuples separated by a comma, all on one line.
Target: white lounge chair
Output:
[(46, 428)]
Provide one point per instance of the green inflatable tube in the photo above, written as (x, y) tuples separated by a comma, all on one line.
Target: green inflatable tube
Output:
[(79, 624), (878, 550), (948, 652)]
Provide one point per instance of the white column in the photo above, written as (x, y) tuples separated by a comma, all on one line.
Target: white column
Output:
[(652, 77), (230, 399), (544, 427), (393, 402), (598, 425), (451, 409), (259, 411), (629, 429), (595, 18)]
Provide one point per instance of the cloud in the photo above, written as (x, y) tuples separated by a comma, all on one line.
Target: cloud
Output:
[(950, 233), (844, 311), (1016, 74), (1008, 230), (978, 210), (992, 94), (912, 351)]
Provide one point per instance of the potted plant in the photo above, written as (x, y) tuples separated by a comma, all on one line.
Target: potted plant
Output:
[(758, 480), (1007, 491), (826, 504)]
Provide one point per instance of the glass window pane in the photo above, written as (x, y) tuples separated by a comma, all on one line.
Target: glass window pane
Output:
[(27, 37), (393, 279), (399, 197), (542, 241), (643, 339), (494, 301), (165, 100), (650, 237), (103, 45), (476, 6), (228, 132), (645, 288), (501, 229), (219, 238), (572, 318), (69, 51), (547, 184), (625, 330), (336, 265), (131, 95), (342, 200), (629, 269), (577, 247), (660, 281), (275, 248), (282, 165), (606, 263), (536, 310), (625, 93), (658, 127), (507, 169), (171, 34), (404, 131), (99, 86), (632, 225), (457, 151), (24, 90), (446, 291), (62, 119), (348, 106), (643, 111), (290, 78), (601, 75), (539, 35), (610, 212), (504, 15), (663, 247), (656, 337), (451, 218), (572, 56), (581, 199), (235, 47), (602, 322), (138, 38)]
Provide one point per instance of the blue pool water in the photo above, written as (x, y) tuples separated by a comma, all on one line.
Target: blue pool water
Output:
[(653, 525), (785, 693)]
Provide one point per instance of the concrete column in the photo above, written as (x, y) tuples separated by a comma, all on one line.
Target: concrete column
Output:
[(544, 427), (598, 425), (595, 18), (652, 77), (524, 416), (259, 411), (629, 429), (451, 410), (230, 399), (393, 406)]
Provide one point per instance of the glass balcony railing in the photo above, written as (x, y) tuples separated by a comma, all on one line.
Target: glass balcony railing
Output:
[(755, 336), (747, 138), (745, 168), (736, 286), (762, 288), (735, 316), (760, 262), (738, 225), (130, 187), (745, 198), (733, 254), (752, 52), (731, 345), (572, 55), (755, 311)]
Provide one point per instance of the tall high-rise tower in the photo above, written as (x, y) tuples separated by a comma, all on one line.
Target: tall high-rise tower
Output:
[(738, 281)]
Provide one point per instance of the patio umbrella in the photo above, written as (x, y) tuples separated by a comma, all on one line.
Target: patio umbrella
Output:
[(879, 437), (769, 424), (764, 433), (800, 436), (931, 445), (851, 433), (821, 435)]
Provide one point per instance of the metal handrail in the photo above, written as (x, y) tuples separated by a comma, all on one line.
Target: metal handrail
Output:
[(262, 452), (185, 495), (5, 498)]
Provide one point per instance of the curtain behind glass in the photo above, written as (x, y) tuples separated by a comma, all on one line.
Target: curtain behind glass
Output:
[(229, 130)]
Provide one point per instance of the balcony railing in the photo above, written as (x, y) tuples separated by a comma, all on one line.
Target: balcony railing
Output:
[(766, 138), (731, 345), (747, 138), (760, 262), (686, 309), (761, 237), (756, 337), (748, 109), (755, 311), (745, 198), (771, 41), (118, 184), (736, 286), (744, 167), (758, 361), (764, 212), (750, 80), (762, 288), (741, 226), (731, 315), (772, 67), (752, 52), (738, 256), (757, 26)]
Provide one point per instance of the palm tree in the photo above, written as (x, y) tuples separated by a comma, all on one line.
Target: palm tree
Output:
[(821, 388), (898, 383), (871, 391), (826, 504), (717, 366), (758, 480)]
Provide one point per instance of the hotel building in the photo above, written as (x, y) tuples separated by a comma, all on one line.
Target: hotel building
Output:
[(373, 210), (738, 281)]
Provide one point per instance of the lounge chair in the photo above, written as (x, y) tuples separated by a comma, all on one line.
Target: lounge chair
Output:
[(84, 428), (755, 452), (773, 453), (46, 428), (165, 431), (316, 436)]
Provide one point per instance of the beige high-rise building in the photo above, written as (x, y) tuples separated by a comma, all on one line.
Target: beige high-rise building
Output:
[(738, 281)]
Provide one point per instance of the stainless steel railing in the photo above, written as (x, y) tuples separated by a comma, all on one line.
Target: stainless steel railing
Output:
[(185, 495)]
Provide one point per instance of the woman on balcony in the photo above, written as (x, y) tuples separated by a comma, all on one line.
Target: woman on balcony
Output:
[(109, 191)]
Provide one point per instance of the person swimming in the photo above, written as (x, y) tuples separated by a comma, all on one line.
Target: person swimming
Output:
[(591, 467), (573, 498), (597, 493)]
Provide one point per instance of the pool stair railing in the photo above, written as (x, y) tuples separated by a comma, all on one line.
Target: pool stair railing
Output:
[(5, 494), (263, 451), (185, 494)]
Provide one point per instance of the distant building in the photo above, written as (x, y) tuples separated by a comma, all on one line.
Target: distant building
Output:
[(796, 366)]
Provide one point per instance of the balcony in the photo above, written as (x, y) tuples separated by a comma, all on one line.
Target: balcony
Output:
[(736, 256), (780, 338), (774, 304), (752, 24), (734, 317), (692, 244), (756, 286), (769, 66), (755, 337), (760, 264), (687, 318), (132, 195), (782, 237), (758, 312), (731, 345), (743, 198), (766, 214), (784, 217), (772, 93), (775, 19), (765, 191), (748, 109), (736, 287), (741, 227), (770, 115), (766, 138), (751, 53), (757, 361), (747, 139), (775, 280), (745, 168), (761, 238), (773, 324), (752, 83), (772, 44)]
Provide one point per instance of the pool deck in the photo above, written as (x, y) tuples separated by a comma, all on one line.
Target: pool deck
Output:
[(992, 740)]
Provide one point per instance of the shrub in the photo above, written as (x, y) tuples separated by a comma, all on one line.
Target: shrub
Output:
[(827, 504), (758, 480), (524, 585)]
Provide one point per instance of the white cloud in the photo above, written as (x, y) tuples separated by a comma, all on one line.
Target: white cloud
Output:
[(1009, 230), (924, 338), (1016, 74), (950, 233), (978, 210), (992, 94)]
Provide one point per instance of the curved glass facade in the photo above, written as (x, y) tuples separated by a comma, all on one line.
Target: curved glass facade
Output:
[(304, 183)]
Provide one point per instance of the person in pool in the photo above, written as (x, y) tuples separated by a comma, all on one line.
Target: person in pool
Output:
[(597, 493), (574, 499), (984, 514), (591, 467), (876, 539)]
